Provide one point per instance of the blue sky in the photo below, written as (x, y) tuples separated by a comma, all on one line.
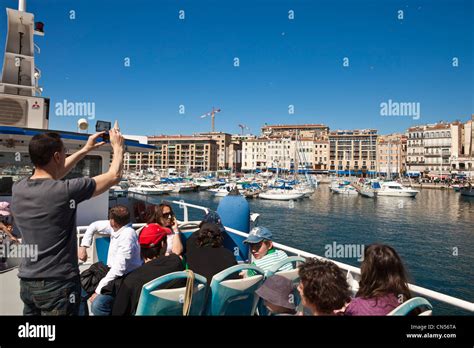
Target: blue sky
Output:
[(283, 62)]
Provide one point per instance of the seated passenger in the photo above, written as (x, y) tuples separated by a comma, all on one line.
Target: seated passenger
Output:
[(123, 257), (6, 224), (211, 217), (277, 294), (264, 255), (153, 248), (207, 256), (163, 215), (323, 287), (383, 285)]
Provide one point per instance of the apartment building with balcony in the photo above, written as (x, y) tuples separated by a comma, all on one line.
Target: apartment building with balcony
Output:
[(313, 131), (254, 154), (391, 155), (415, 162), (353, 152), (184, 153), (223, 141)]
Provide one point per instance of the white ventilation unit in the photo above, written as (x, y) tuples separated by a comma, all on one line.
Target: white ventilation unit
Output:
[(21, 111), (13, 112)]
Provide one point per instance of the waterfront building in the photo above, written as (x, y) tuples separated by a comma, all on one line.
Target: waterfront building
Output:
[(321, 155), (235, 155), (415, 161), (184, 153), (440, 140), (223, 141), (390, 154), (462, 161), (287, 130), (434, 150), (353, 151), (254, 154)]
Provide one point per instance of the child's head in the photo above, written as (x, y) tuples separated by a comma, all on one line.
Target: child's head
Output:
[(277, 293), (382, 273), (323, 287), (260, 241)]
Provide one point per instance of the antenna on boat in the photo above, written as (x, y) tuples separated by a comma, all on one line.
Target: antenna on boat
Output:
[(22, 5)]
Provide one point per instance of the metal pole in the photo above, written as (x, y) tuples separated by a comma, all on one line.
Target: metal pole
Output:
[(212, 120), (22, 5)]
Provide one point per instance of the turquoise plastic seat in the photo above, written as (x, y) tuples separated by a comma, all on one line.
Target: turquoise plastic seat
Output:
[(234, 296), (416, 302), (102, 245), (289, 274), (154, 301)]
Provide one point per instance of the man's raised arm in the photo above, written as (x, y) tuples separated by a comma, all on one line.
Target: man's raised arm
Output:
[(112, 177)]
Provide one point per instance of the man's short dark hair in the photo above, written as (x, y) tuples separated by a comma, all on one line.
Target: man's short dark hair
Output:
[(120, 214), (324, 285), (43, 146), (156, 251)]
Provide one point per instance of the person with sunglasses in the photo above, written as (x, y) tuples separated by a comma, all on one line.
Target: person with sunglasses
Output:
[(164, 216)]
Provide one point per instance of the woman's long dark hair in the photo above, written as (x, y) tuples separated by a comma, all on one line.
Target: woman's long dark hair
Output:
[(156, 216), (383, 273)]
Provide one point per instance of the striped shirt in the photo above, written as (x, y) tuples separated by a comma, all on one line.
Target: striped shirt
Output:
[(268, 261)]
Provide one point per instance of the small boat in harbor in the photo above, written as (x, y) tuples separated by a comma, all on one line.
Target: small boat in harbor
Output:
[(251, 190), (278, 194), (223, 190), (179, 185), (467, 191), (395, 189), (343, 187), (117, 191), (345, 190), (149, 188), (369, 189), (204, 184)]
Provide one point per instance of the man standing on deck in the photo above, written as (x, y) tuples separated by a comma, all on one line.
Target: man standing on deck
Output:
[(44, 208)]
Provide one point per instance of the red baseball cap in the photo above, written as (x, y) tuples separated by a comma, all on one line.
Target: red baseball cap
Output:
[(152, 234)]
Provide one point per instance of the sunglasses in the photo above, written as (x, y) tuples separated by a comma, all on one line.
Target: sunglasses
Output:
[(168, 215), (256, 245)]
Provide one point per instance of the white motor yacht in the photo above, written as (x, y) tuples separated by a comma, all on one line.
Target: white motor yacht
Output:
[(395, 189), (281, 195), (149, 188), (204, 184), (223, 190)]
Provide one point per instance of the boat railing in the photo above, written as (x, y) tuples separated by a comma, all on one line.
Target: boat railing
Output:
[(353, 273)]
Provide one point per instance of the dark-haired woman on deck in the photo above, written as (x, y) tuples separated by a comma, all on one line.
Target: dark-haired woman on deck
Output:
[(383, 285)]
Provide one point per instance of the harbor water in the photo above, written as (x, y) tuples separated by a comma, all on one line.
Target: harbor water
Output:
[(433, 233)]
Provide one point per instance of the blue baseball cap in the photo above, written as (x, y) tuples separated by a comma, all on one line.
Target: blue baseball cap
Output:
[(257, 234)]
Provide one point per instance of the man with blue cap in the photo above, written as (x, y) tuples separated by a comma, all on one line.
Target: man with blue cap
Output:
[(264, 255)]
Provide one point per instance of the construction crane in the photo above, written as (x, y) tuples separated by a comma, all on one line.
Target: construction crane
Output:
[(213, 115), (242, 127)]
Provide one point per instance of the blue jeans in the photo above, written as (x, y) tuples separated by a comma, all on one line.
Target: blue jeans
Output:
[(102, 305), (50, 297)]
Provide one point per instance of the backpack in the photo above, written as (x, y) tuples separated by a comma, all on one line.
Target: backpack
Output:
[(91, 277)]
